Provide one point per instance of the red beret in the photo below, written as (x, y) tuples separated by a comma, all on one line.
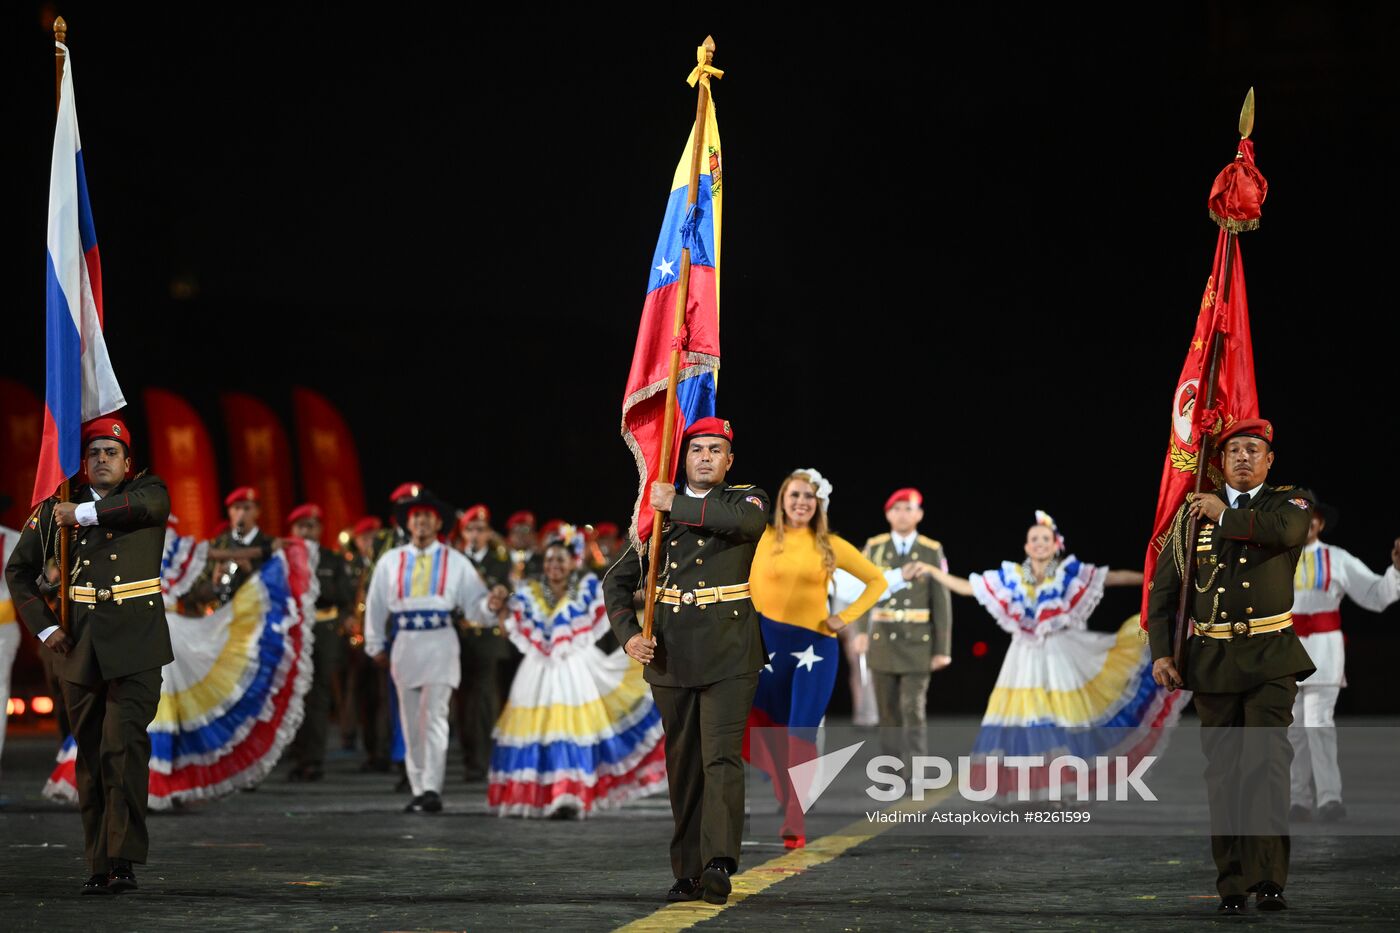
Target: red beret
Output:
[(554, 524), (111, 427), (710, 427), (477, 513), (241, 494), (1252, 427), (306, 511), (907, 494), (366, 525), (605, 530), (406, 491), (521, 518)]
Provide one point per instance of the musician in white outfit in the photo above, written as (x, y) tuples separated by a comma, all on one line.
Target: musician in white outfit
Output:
[(413, 594), (1325, 574), (9, 629)]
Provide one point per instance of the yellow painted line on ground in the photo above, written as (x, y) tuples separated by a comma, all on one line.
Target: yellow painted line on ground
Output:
[(752, 881)]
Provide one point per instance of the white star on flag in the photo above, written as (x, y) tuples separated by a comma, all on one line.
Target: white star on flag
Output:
[(665, 268), (769, 666), (806, 658)]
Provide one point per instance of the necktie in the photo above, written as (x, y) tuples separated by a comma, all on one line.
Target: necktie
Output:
[(422, 567), (1242, 500)]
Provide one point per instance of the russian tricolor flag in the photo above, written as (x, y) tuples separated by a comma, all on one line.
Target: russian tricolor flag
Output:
[(644, 404), (80, 384)]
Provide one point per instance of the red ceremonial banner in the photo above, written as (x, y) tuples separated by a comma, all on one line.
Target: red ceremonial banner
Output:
[(330, 463), (182, 456), (1235, 200), (21, 428), (262, 457)]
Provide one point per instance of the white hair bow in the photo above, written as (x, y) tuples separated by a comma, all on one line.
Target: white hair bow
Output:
[(821, 486)]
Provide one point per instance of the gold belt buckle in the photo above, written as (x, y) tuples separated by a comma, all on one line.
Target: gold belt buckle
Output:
[(688, 597), (104, 595), (1241, 627)]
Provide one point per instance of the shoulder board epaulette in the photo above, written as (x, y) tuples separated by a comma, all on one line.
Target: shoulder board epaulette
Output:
[(142, 473), (741, 486), (926, 541), (878, 539), (1282, 488)]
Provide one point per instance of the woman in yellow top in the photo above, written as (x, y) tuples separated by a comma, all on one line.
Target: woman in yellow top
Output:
[(789, 580)]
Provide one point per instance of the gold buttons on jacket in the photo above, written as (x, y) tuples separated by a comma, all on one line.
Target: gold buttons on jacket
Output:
[(1224, 614), (675, 608), (925, 638), (84, 541), (700, 542), (876, 636), (1220, 589), (111, 557), (674, 565), (1245, 584), (700, 560), (701, 583), (86, 562), (893, 635), (116, 579), (109, 536), (1244, 560), (1249, 610)]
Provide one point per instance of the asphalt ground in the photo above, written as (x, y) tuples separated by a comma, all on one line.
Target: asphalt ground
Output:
[(340, 855)]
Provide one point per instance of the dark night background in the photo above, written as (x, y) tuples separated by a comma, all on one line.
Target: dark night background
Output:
[(963, 252)]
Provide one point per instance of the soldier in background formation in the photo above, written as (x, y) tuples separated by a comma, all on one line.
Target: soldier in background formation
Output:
[(238, 550), (523, 544), (486, 654), (908, 635), (333, 604)]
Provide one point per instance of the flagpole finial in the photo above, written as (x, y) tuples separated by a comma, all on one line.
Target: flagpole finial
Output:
[(1247, 115), (60, 29), (704, 71)]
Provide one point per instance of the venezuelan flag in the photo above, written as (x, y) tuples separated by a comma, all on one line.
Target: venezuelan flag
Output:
[(698, 229)]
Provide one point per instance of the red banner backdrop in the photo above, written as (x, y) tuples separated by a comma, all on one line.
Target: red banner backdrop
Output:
[(262, 457), (182, 456), (330, 462), (21, 427)]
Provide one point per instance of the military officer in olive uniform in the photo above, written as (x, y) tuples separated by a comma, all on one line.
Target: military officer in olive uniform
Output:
[(909, 634), (333, 604), (705, 654), (236, 553), (487, 654), (1244, 660), (116, 642)]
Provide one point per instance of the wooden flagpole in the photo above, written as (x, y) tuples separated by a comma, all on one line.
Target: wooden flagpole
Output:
[(60, 34), (1183, 607), (704, 55)]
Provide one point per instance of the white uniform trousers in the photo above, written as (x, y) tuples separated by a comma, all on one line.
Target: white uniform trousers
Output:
[(9, 645), (1314, 739), (423, 715)]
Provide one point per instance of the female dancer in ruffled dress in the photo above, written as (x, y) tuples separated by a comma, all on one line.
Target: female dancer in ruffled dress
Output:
[(231, 700), (1062, 690), (580, 730)]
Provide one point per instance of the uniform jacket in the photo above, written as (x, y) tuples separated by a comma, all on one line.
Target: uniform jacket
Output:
[(922, 611), (708, 542), (1244, 570), (111, 638)]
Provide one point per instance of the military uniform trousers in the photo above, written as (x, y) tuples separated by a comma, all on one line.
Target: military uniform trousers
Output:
[(327, 659), (487, 658), (109, 721), (705, 768), (903, 703), (1247, 779)]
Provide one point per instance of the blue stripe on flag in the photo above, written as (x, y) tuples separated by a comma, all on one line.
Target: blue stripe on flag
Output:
[(63, 373), (668, 244), (86, 231)]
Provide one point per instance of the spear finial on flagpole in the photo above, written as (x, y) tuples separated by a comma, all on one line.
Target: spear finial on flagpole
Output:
[(60, 34), (1247, 115)]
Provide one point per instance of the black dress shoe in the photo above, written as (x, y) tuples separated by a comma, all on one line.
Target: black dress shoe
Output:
[(415, 805), (432, 802), (97, 884), (122, 878), (685, 889), (1299, 814), (1233, 904), (715, 881), (1331, 811), (1269, 896)]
